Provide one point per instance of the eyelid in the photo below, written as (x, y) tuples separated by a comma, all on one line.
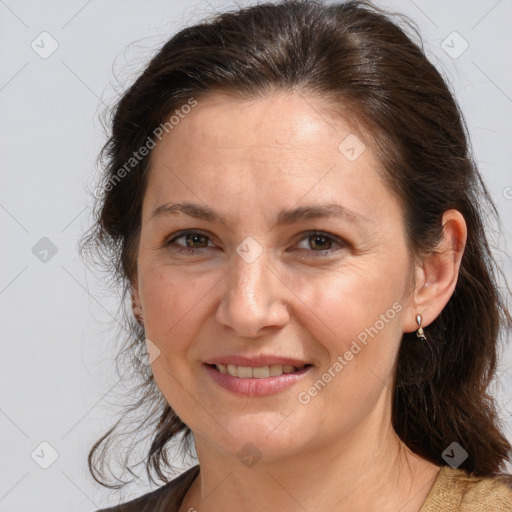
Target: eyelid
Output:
[(303, 236), (334, 238), (185, 232)]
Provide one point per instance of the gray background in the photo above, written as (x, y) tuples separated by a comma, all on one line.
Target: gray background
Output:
[(57, 378)]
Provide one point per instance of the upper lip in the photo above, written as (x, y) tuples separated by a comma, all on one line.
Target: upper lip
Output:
[(256, 361)]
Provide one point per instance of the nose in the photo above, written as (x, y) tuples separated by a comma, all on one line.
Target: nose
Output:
[(254, 298)]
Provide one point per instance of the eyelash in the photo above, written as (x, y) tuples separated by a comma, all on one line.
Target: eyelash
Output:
[(309, 234)]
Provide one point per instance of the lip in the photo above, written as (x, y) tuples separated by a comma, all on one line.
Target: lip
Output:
[(256, 361), (252, 387)]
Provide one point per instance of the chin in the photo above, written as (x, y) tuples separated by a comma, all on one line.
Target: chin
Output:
[(269, 435)]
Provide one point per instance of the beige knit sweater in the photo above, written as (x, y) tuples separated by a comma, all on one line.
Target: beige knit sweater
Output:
[(453, 490)]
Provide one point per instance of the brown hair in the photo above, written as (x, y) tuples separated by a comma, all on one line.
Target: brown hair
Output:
[(356, 56)]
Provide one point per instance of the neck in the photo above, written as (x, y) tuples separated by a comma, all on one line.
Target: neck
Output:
[(369, 469)]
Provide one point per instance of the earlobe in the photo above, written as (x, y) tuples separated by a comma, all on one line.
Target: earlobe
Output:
[(137, 307), (438, 274)]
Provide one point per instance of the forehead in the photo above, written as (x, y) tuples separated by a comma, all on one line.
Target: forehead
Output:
[(276, 121), (269, 150)]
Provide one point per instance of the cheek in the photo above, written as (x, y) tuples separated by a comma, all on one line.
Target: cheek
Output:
[(174, 300), (339, 306), (359, 332), (355, 316)]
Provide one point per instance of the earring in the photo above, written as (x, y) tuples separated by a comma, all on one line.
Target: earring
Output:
[(420, 332), (137, 310)]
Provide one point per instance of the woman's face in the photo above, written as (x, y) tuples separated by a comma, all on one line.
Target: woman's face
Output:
[(261, 285)]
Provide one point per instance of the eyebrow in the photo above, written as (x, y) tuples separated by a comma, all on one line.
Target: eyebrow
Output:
[(284, 217)]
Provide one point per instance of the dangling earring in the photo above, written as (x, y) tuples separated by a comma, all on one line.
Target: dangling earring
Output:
[(420, 332)]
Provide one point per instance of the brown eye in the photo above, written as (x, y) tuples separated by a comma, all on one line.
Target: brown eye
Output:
[(320, 242), (193, 240)]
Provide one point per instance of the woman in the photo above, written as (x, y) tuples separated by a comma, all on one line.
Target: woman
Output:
[(290, 201)]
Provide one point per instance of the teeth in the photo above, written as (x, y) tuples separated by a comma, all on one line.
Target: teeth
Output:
[(275, 370), (244, 372), (261, 372)]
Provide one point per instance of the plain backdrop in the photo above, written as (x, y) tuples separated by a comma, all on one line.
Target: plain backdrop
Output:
[(61, 63)]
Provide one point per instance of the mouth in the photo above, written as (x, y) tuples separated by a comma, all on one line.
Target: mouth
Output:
[(258, 372), (256, 381)]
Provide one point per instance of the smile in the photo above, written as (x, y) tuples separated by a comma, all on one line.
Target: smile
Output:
[(256, 381), (261, 372)]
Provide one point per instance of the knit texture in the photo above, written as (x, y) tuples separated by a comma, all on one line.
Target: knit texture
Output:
[(455, 490)]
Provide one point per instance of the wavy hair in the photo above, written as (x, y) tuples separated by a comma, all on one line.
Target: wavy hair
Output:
[(360, 59)]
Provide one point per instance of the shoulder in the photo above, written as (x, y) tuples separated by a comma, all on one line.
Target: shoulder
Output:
[(455, 490), (164, 499)]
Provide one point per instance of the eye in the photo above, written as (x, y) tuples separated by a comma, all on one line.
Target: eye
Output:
[(318, 242), (192, 239), (322, 242)]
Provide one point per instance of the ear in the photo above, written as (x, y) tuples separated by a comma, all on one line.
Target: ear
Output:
[(136, 305), (437, 274)]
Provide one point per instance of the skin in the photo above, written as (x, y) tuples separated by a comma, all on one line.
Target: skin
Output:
[(248, 159)]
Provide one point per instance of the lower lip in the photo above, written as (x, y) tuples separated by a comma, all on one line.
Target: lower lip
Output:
[(256, 387)]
